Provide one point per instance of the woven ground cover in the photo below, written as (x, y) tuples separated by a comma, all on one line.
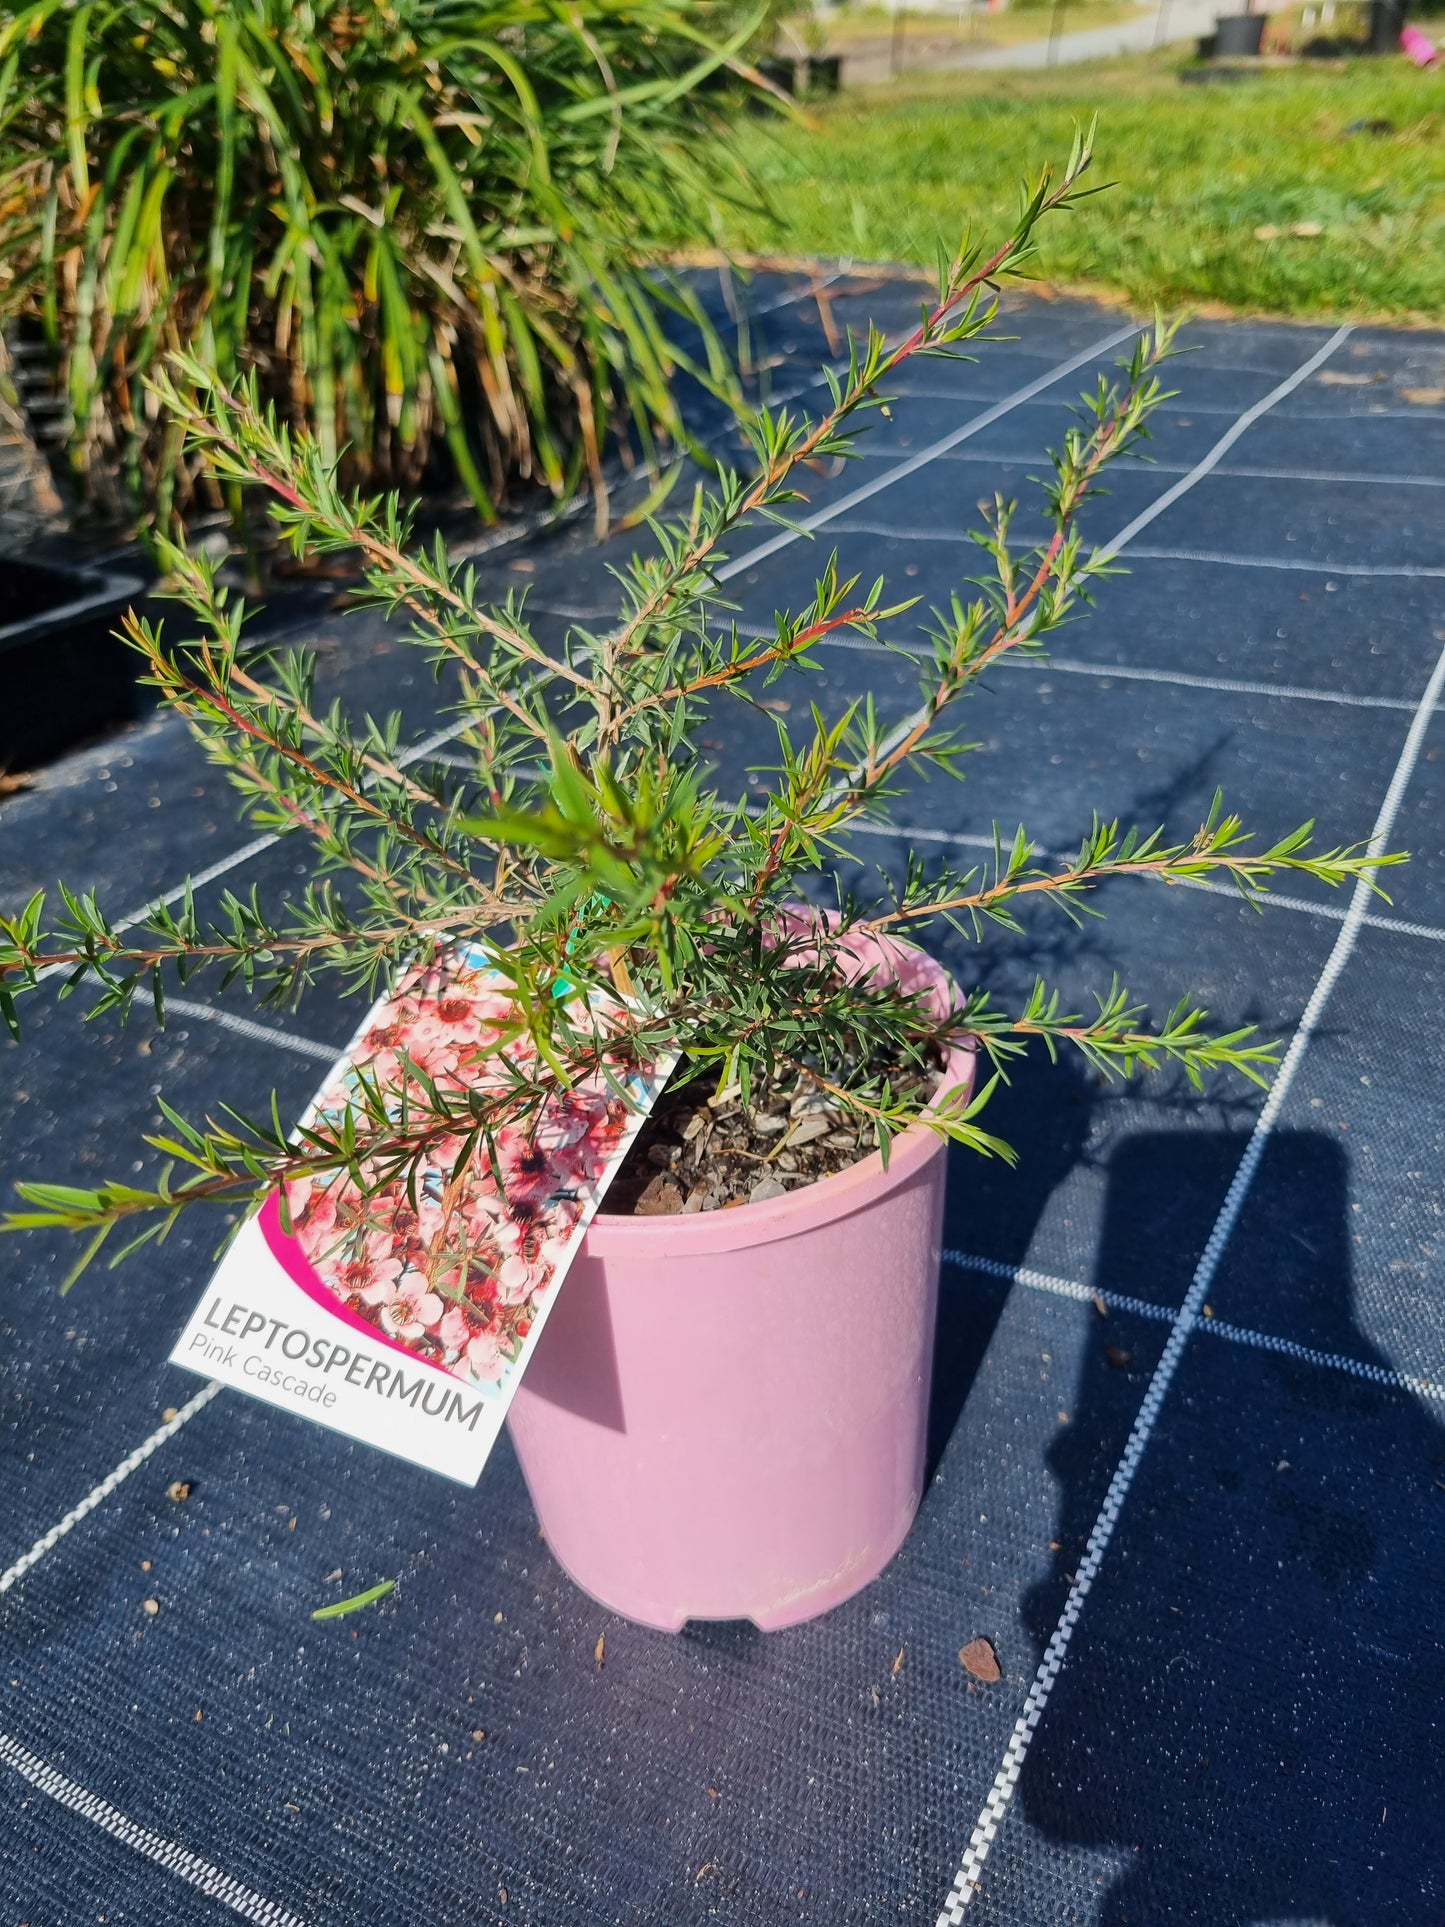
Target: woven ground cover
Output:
[(1189, 1411)]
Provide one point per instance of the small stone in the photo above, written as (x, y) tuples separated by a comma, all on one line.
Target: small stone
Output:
[(807, 1129), (599, 1650), (150, 1607), (840, 1141), (478, 1733), (696, 1199), (979, 1658), (660, 1198), (699, 1121), (808, 1101), (766, 1188), (179, 1490), (169, 1413), (769, 1126), (1118, 1357)]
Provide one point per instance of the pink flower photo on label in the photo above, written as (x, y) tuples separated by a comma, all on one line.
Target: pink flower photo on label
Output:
[(457, 1271)]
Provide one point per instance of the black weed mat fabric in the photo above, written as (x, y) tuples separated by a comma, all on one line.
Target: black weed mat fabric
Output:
[(1222, 1536)]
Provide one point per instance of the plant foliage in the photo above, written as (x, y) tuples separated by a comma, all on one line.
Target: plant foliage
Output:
[(414, 223), (584, 840)]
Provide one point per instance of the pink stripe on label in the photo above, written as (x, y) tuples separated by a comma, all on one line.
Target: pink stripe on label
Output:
[(287, 1252)]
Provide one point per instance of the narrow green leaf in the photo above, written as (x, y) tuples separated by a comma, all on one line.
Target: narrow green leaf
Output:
[(356, 1603)]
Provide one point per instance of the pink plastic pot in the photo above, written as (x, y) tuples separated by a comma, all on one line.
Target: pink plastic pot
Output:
[(725, 1416)]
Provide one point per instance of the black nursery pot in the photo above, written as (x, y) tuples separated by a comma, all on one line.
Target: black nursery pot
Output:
[(64, 674), (824, 73), (1387, 17), (1238, 34)]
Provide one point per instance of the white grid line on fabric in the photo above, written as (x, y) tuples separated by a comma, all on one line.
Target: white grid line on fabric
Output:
[(1215, 1327), (1331, 1361), (1129, 672), (975, 425), (176, 1859), (1412, 413), (98, 1494), (1221, 558), (1216, 557), (1295, 564), (1000, 1796), (1225, 685), (1399, 925), (1059, 1287), (1272, 900), (794, 296), (258, 1033), (1072, 666), (1352, 478)]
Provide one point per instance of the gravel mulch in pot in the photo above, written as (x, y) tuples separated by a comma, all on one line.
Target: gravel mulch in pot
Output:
[(702, 1150)]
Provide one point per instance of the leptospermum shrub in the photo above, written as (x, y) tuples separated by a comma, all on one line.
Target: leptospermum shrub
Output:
[(630, 905)]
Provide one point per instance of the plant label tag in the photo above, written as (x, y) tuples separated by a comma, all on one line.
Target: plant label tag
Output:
[(403, 1313)]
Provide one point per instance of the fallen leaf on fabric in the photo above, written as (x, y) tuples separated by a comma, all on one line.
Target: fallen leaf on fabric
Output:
[(355, 1604), (979, 1658)]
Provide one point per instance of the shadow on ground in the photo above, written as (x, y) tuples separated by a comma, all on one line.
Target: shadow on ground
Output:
[(1206, 1735)]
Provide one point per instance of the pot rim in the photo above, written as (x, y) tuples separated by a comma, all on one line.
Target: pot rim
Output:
[(825, 1199)]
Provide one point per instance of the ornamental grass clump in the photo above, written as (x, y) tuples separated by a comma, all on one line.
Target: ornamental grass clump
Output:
[(628, 905), (424, 227)]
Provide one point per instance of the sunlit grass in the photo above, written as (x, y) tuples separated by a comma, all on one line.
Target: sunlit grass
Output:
[(892, 173)]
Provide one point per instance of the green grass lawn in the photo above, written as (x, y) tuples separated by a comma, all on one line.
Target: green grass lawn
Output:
[(889, 173)]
